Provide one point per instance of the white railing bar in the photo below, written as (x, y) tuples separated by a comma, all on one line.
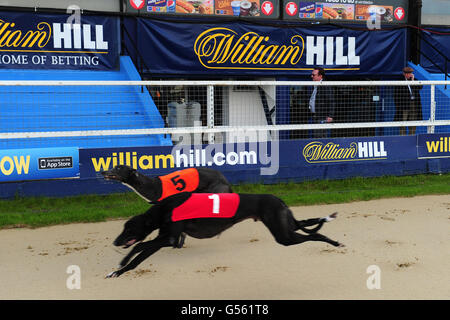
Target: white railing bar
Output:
[(151, 131), (218, 83)]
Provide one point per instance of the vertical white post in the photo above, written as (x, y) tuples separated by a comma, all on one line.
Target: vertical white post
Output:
[(210, 111), (432, 107)]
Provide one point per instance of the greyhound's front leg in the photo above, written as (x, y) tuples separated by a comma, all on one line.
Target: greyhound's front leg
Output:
[(147, 249), (136, 249)]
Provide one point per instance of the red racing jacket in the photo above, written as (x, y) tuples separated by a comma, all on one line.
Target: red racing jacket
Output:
[(207, 205)]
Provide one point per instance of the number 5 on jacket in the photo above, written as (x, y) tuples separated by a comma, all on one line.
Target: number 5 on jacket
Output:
[(179, 181), (207, 205)]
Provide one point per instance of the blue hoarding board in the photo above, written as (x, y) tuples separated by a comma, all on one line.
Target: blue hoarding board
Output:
[(290, 160), (233, 48), (162, 160), (360, 149), (433, 146), (261, 159), (39, 163), (58, 41)]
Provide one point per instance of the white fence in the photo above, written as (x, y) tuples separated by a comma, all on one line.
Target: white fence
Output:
[(215, 111)]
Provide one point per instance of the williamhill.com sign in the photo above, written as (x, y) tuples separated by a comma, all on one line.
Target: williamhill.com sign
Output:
[(42, 41), (230, 48)]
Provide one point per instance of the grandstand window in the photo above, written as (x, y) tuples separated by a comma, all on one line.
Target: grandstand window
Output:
[(436, 12)]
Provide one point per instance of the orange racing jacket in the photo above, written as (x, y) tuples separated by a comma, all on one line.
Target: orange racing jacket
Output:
[(179, 181)]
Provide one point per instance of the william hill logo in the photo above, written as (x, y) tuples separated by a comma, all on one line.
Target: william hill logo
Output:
[(67, 36), (223, 48), (319, 152)]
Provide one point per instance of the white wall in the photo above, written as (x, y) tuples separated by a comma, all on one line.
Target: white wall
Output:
[(244, 108)]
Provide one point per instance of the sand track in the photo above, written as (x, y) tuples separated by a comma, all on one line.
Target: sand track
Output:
[(407, 239)]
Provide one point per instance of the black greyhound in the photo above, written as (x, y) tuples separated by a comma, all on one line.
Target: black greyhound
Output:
[(272, 211), (157, 188)]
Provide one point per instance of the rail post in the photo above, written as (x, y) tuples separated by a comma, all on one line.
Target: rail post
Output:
[(432, 108), (210, 111)]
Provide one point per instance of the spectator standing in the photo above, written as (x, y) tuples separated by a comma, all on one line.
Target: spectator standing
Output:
[(408, 106), (321, 103)]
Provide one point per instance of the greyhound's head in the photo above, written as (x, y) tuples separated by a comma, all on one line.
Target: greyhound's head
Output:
[(120, 173), (136, 229)]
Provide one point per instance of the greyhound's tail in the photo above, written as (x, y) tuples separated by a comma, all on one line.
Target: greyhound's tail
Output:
[(331, 217)]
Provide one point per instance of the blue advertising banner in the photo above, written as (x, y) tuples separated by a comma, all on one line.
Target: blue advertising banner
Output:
[(39, 163), (235, 48), (360, 149), (290, 160), (263, 159), (433, 146), (163, 160), (58, 41)]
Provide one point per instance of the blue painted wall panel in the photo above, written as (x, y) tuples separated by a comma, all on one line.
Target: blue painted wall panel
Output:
[(72, 108)]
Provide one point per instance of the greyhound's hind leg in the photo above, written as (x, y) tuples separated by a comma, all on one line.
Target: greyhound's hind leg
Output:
[(295, 238)]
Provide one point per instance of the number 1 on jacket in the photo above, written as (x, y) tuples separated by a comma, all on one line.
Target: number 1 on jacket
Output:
[(216, 203)]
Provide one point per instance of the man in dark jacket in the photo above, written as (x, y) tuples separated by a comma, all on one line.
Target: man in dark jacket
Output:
[(407, 102), (320, 103)]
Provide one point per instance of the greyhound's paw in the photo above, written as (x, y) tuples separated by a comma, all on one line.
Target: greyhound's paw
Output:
[(113, 274), (181, 240), (341, 245), (177, 242)]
